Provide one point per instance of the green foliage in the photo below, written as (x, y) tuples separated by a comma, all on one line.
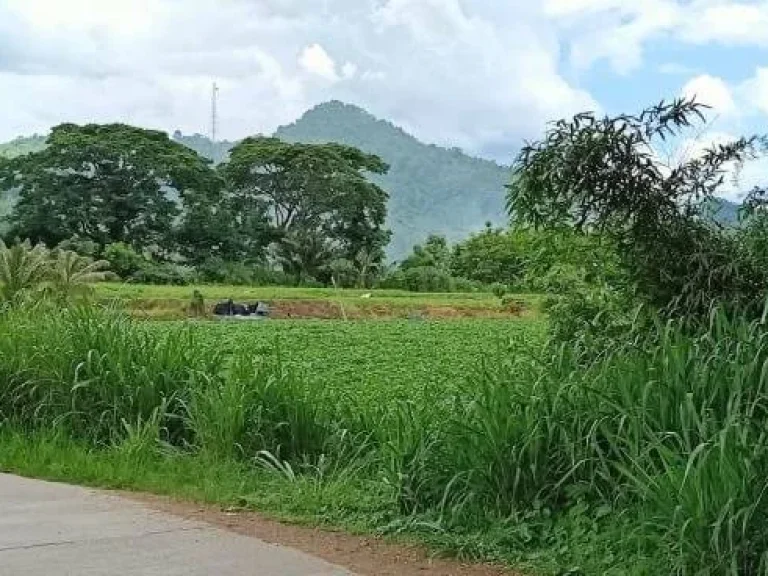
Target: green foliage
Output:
[(649, 459), (23, 269), (343, 273), (600, 174), (419, 279), (219, 225), (320, 202), (62, 275), (433, 253), (163, 273), (104, 183), (493, 255), (81, 246), (431, 189), (499, 290), (70, 277), (124, 260), (197, 304), (218, 271)]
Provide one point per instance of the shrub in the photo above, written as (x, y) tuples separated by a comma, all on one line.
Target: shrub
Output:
[(23, 268), (163, 273), (493, 255), (124, 260), (343, 273), (499, 290), (419, 279), (467, 285), (219, 271)]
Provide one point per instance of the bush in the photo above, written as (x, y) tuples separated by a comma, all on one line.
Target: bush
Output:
[(344, 273), (163, 273), (124, 260), (467, 285), (219, 271), (499, 290), (493, 255), (419, 279), (81, 246), (593, 319)]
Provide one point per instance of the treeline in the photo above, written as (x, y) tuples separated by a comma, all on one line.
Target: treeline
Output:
[(159, 212), (506, 260)]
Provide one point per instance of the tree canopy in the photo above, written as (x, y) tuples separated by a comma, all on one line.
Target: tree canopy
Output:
[(318, 198), (108, 183), (602, 174)]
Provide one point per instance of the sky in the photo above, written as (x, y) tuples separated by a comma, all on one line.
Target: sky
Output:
[(482, 75)]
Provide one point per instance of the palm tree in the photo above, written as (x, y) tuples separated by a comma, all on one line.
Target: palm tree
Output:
[(71, 276), (22, 269)]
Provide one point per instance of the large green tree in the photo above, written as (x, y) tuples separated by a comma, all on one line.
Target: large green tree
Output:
[(319, 200), (602, 174), (107, 183)]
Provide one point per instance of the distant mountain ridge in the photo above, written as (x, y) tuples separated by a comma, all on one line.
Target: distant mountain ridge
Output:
[(431, 189)]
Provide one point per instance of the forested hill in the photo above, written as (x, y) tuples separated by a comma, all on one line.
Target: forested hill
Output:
[(431, 189)]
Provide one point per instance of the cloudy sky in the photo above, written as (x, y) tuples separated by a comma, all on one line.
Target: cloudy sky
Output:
[(479, 74)]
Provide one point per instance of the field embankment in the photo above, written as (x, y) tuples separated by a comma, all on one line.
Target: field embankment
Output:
[(172, 302)]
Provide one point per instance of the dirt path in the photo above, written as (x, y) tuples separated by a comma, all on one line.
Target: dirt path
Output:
[(366, 556)]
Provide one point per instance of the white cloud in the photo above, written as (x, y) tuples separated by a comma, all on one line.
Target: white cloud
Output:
[(315, 60), (479, 75), (755, 91), (712, 92), (615, 30), (348, 70), (729, 23), (619, 30)]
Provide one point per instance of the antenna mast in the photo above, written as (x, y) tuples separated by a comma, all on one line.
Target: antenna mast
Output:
[(214, 112)]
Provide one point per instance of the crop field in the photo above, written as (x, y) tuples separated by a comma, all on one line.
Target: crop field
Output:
[(471, 434), (372, 362), (171, 302)]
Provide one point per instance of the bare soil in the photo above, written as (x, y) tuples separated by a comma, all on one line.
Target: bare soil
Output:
[(363, 555)]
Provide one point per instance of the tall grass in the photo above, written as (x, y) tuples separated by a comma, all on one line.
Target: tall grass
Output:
[(668, 439)]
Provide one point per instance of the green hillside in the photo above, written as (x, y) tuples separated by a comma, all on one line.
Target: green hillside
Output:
[(432, 189)]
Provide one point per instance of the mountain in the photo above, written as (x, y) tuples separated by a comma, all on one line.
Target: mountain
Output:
[(22, 145), (431, 189)]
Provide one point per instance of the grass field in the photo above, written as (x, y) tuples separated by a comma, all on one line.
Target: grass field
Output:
[(170, 302), (475, 436)]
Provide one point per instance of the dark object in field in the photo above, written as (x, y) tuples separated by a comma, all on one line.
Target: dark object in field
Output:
[(259, 309), (230, 308)]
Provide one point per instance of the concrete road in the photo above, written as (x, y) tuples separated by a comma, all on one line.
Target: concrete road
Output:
[(55, 529)]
